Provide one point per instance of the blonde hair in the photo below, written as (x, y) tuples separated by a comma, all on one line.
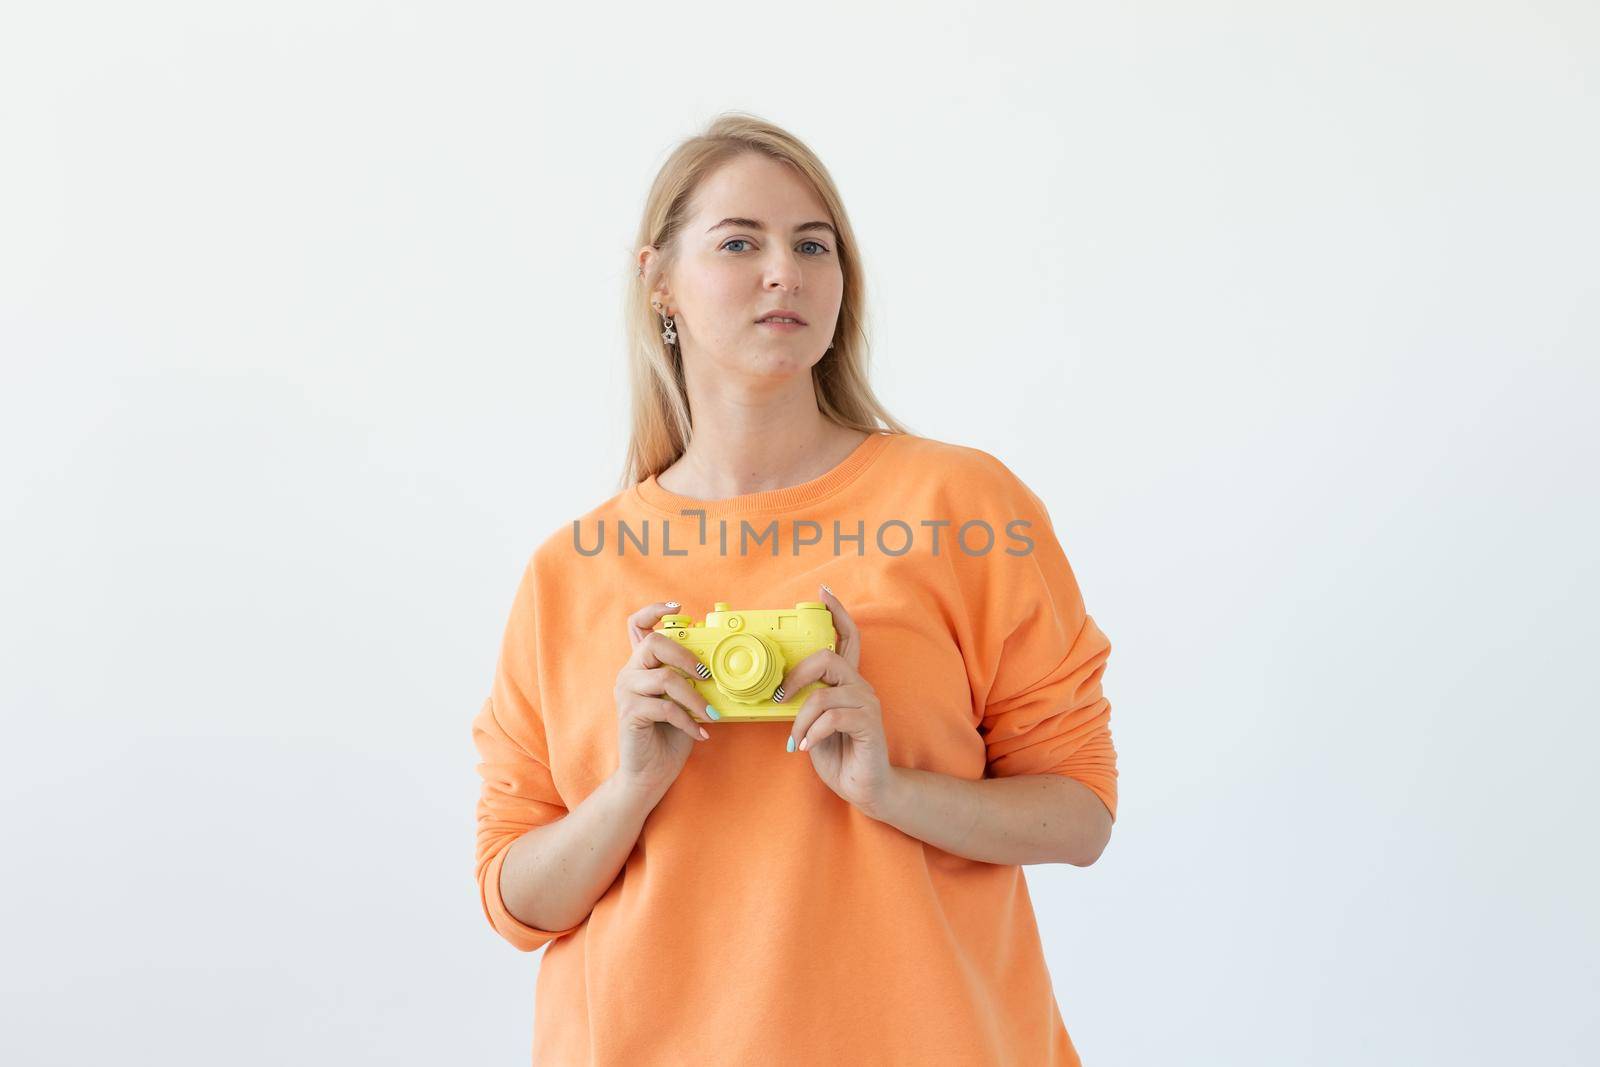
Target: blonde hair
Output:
[(660, 418)]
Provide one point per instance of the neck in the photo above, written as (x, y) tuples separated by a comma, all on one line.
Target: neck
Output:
[(744, 450)]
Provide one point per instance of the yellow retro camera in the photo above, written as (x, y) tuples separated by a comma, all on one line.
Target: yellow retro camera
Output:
[(749, 652)]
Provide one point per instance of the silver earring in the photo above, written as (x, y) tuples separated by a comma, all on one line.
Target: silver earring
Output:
[(668, 335)]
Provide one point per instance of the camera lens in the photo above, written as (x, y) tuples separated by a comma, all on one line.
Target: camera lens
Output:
[(747, 666)]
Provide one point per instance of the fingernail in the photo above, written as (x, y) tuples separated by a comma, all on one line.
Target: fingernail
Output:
[(702, 671), (804, 743), (791, 743), (703, 735), (711, 711), (777, 694), (672, 603), (830, 592)]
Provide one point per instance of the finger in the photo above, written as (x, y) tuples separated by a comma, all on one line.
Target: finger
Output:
[(849, 633), (657, 649), (827, 725), (823, 665), (643, 709), (817, 707), (664, 681), (643, 621)]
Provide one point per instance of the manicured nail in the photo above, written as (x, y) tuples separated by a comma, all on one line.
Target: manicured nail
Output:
[(777, 694), (804, 743), (791, 743), (672, 603), (703, 735), (702, 670), (711, 711), (830, 592)]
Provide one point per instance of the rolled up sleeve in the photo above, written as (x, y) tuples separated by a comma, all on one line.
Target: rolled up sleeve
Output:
[(518, 792), (1045, 711)]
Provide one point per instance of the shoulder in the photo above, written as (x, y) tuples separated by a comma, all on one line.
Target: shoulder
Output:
[(972, 475), (556, 550)]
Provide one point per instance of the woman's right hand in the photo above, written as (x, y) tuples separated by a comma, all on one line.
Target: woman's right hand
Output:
[(655, 732)]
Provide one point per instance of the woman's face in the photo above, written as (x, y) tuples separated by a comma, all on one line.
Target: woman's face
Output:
[(779, 252)]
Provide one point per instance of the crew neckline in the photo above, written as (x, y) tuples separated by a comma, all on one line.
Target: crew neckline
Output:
[(652, 494)]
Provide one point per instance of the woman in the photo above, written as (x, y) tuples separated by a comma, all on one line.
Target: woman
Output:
[(845, 887)]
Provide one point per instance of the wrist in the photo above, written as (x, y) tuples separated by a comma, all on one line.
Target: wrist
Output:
[(890, 798), (632, 794)]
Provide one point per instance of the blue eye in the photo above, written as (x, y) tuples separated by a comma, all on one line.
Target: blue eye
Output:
[(744, 241)]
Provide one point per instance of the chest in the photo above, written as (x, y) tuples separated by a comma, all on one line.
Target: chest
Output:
[(906, 608)]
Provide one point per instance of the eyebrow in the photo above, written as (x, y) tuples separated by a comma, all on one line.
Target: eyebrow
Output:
[(755, 224)]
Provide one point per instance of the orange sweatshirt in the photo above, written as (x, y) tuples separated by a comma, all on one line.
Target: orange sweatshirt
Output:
[(760, 918)]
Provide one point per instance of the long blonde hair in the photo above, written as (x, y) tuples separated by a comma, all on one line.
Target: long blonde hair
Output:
[(660, 418)]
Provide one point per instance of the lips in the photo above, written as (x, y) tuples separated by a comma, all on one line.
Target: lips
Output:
[(782, 313)]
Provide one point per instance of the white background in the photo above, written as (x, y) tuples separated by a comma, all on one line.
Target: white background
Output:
[(310, 329)]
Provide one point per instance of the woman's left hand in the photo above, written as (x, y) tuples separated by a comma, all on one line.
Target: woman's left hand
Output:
[(841, 723)]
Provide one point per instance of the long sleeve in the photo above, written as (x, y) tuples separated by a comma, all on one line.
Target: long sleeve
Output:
[(1044, 711), (518, 792)]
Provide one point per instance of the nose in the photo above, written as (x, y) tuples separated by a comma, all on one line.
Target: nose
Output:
[(783, 272)]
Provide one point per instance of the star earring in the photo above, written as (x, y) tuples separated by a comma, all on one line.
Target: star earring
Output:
[(668, 335)]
